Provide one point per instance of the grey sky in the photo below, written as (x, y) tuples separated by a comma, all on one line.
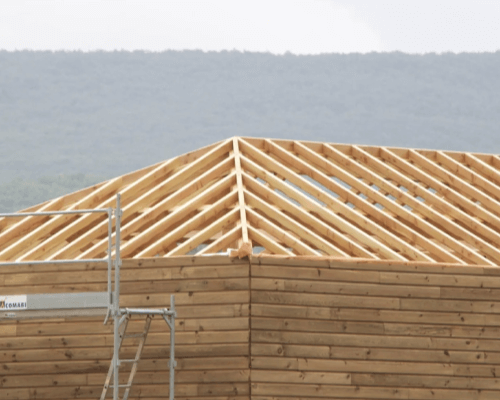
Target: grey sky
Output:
[(298, 26)]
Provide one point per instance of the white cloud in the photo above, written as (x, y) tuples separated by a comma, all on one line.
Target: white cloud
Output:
[(278, 26)]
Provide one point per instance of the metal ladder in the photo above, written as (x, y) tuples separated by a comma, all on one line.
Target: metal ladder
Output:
[(120, 329), (134, 361)]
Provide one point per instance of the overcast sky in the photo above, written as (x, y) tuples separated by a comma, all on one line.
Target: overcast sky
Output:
[(277, 26)]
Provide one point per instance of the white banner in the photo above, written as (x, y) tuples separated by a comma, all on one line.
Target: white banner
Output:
[(13, 302)]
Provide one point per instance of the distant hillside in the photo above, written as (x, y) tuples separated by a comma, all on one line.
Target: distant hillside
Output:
[(104, 114)]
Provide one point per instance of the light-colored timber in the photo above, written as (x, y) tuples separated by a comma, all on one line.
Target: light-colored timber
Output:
[(301, 271), (268, 327), (283, 197)]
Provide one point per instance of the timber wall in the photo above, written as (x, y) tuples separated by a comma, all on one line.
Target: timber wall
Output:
[(68, 359), (374, 331), (315, 329)]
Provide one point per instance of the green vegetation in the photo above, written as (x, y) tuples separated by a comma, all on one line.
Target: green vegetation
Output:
[(19, 194), (107, 113)]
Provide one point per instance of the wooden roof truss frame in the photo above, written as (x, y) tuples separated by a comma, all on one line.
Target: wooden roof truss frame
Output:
[(283, 197)]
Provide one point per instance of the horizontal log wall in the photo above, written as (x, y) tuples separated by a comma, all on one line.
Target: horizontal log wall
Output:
[(337, 330), (318, 329), (69, 358)]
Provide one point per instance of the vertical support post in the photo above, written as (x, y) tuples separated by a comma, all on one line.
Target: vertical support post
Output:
[(116, 302), (172, 362), (110, 256)]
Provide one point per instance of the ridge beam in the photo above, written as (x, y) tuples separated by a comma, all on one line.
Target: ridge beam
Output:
[(241, 196)]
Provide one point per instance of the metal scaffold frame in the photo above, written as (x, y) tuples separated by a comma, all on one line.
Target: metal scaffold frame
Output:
[(94, 303)]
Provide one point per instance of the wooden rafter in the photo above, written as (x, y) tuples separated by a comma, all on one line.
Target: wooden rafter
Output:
[(290, 197), (423, 208), (312, 190), (405, 229)]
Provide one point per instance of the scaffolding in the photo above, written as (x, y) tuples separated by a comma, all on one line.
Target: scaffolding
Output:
[(34, 306)]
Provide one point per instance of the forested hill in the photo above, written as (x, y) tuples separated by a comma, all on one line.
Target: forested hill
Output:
[(91, 116)]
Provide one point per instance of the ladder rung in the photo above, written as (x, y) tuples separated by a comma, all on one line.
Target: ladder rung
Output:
[(128, 361), (121, 386)]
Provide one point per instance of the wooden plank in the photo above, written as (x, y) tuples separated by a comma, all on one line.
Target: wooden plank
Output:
[(307, 205), (455, 180), (264, 305), (225, 202), (270, 391), (302, 377), (22, 226), (347, 288), (267, 242), (379, 265), (393, 206), (374, 353), (223, 242), (24, 244), (259, 222), (437, 218), (311, 273), (335, 206), (183, 275), (470, 207), (371, 341), (89, 392), (177, 215), (310, 299), (206, 233), (425, 381), (380, 231), (141, 204), (487, 170), (271, 198)]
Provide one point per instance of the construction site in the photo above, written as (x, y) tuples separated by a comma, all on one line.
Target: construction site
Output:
[(260, 269)]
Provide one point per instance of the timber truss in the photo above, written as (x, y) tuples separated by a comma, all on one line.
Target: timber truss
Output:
[(282, 197)]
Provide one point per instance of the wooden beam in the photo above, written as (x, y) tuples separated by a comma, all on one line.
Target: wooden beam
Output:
[(241, 196), (28, 223), (258, 221), (389, 172), (454, 180), (150, 214), (47, 248), (222, 242), (403, 246), (441, 205), (175, 216), (324, 197), (206, 233), (25, 243), (267, 242), (398, 225), (308, 205), (289, 223), (485, 169), (164, 241)]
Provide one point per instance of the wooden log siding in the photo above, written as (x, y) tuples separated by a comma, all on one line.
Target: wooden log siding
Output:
[(274, 328), (373, 330), (69, 358)]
